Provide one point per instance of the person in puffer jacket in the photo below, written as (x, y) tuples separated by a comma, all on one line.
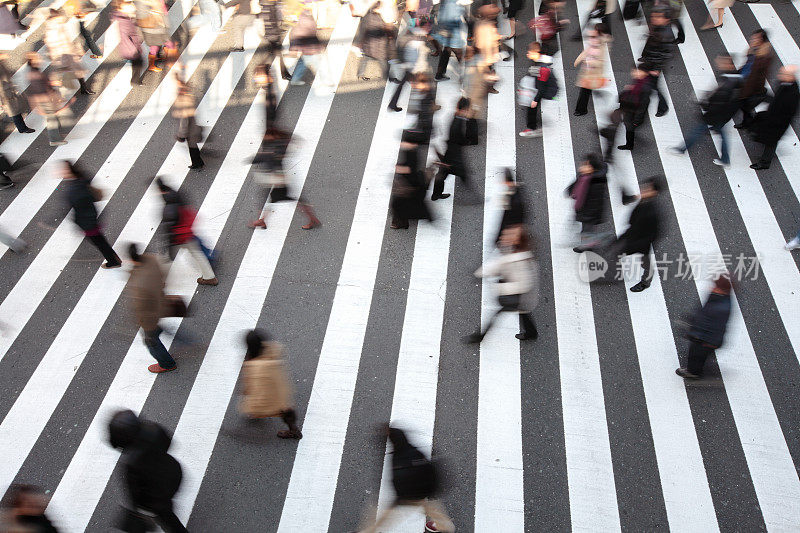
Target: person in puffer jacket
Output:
[(707, 329)]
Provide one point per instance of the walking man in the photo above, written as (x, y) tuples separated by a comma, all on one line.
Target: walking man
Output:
[(708, 328)]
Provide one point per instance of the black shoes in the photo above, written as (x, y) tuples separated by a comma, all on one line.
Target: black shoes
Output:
[(395, 108), (662, 113), (579, 113), (684, 373), (639, 287), (759, 166), (435, 197), (441, 78), (475, 338), (625, 147)]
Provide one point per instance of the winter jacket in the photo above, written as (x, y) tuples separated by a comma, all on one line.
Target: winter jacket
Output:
[(659, 47), (177, 219), (414, 476), (81, 200), (722, 104), (770, 125), (518, 274), (634, 100), (758, 62), (710, 322), (592, 62), (592, 206), (265, 384), (373, 36), (644, 228), (146, 287)]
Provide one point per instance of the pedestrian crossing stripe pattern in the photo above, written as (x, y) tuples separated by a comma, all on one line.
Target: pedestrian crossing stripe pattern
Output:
[(716, 456)]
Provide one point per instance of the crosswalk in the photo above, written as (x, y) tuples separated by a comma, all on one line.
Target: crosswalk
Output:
[(588, 428)]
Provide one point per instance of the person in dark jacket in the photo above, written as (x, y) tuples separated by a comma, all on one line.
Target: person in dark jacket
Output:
[(13, 103), (707, 329), (770, 125), (453, 160), (633, 102), (25, 511), (642, 232), (81, 197), (424, 95), (589, 192), (658, 50), (151, 475), (719, 108), (373, 40), (270, 15), (754, 75), (514, 210), (415, 482), (410, 185)]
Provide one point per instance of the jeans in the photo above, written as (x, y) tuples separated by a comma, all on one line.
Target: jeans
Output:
[(302, 65), (699, 130), (157, 349)]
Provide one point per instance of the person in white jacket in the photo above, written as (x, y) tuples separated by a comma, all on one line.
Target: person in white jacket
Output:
[(517, 286)]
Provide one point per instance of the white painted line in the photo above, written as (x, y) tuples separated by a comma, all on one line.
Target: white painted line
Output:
[(208, 401), (88, 473), (416, 380), (23, 300), (687, 496), (28, 416), (770, 464), (590, 472), (312, 485), (499, 487)]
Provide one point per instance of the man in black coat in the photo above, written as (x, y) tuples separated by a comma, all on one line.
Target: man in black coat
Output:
[(415, 482), (658, 50), (770, 125), (453, 160), (642, 231), (152, 476), (707, 329), (514, 211), (719, 108), (81, 197), (633, 102)]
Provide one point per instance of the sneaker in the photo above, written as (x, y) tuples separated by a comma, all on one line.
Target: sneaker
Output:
[(158, 369), (720, 163), (213, 281), (794, 244), (684, 373), (57, 143), (530, 133)]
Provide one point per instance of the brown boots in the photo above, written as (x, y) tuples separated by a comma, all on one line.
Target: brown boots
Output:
[(151, 63)]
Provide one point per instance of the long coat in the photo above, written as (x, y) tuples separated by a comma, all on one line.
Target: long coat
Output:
[(130, 38), (644, 228), (518, 274), (265, 384), (13, 102), (81, 200), (770, 125), (592, 207), (753, 84), (373, 36), (146, 288)]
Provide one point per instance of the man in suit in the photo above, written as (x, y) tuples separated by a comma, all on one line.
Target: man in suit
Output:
[(453, 160), (770, 125)]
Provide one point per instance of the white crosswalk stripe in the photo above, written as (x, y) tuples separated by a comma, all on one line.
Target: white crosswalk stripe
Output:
[(40, 420)]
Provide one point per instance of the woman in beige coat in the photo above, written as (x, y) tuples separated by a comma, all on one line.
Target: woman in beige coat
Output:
[(592, 70), (59, 36), (266, 391)]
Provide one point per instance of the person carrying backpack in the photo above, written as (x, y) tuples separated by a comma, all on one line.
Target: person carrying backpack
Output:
[(415, 482), (538, 84)]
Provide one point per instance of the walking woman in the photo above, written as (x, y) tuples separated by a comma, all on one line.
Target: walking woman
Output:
[(81, 197), (151, 17), (719, 6), (44, 98), (517, 286), (269, 172), (373, 40), (65, 54), (13, 104), (592, 67), (266, 391), (450, 34), (188, 130), (130, 38)]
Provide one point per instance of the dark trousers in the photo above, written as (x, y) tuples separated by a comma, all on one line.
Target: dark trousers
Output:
[(444, 59), (676, 21), (583, 100), (89, 40), (748, 107), (157, 349), (136, 70), (527, 326), (532, 121), (276, 50), (194, 154), (19, 123), (399, 89), (663, 106), (767, 155), (456, 170), (618, 247), (102, 244), (698, 353)]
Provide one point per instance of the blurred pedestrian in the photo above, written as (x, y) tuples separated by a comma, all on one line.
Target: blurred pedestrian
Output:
[(266, 391), (589, 193), (707, 328), (601, 11), (423, 105), (452, 162), (151, 17), (754, 75), (303, 40), (517, 286), (123, 12), (632, 111), (77, 10), (146, 289), (177, 220), (718, 108), (151, 475), (263, 78), (414, 59), (643, 230), (270, 15), (13, 103), (592, 70), (513, 202), (44, 98), (373, 39), (25, 511), (241, 21), (81, 197), (416, 481), (769, 126), (210, 9), (189, 131), (487, 42), (658, 51), (15, 244), (410, 183), (65, 54), (549, 24), (450, 34), (719, 6), (539, 84)]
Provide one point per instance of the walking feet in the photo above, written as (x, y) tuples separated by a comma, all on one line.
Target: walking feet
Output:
[(213, 281), (290, 434), (639, 287), (684, 373), (435, 197), (158, 369), (258, 224)]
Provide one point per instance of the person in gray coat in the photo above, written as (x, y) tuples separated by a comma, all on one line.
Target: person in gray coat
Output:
[(13, 104), (707, 328)]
